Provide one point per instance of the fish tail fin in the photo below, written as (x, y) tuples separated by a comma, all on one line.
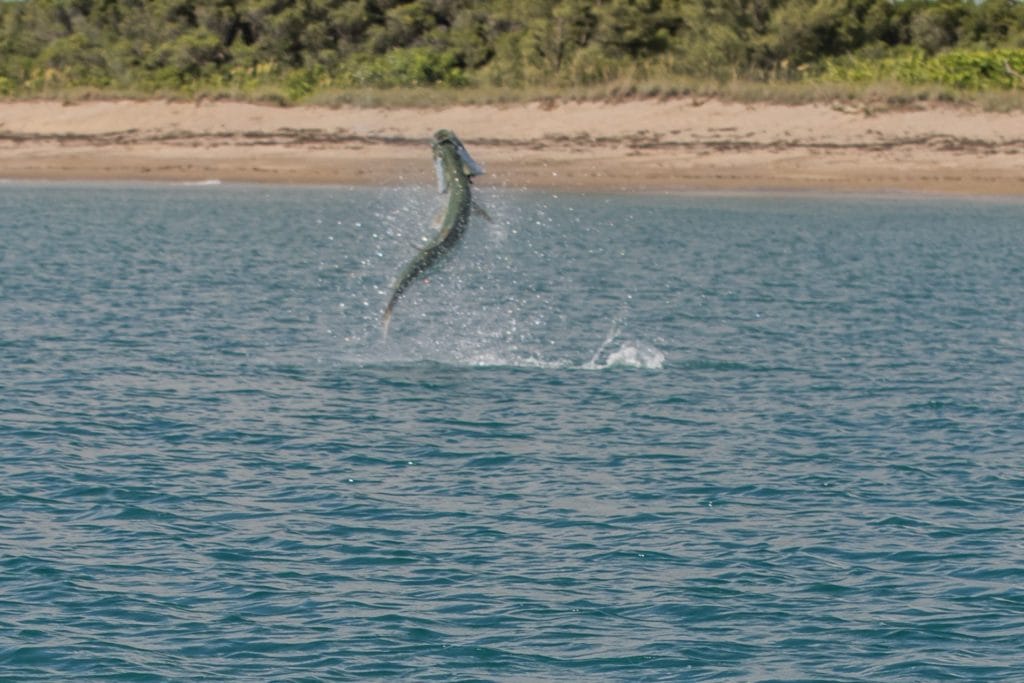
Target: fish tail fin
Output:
[(386, 321), (480, 211)]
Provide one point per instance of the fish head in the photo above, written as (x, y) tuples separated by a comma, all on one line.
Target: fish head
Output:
[(469, 168)]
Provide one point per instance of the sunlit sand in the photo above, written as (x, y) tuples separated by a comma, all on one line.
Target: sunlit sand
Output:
[(660, 145)]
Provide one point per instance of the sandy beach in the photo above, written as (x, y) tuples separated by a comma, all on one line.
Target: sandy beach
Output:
[(640, 145)]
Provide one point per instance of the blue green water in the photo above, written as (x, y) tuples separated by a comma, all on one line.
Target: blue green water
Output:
[(728, 438)]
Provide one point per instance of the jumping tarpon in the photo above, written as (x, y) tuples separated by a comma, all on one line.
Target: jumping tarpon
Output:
[(455, 170)]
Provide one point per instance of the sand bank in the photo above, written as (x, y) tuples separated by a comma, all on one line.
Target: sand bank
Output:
[(644, 145)]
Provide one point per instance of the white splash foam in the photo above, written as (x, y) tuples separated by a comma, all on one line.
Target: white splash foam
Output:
[(636, 355)]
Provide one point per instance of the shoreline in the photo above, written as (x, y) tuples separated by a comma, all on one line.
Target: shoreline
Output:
[(677, 145)]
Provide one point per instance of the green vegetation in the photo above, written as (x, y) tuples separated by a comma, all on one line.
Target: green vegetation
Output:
[(349, 50), (965, 69)]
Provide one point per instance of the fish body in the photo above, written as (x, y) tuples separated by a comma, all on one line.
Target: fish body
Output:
[(455, 170)]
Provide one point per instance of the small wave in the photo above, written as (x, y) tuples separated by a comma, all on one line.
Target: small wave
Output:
[(498, 360), (628, 355), (198, 183), (493, 353)]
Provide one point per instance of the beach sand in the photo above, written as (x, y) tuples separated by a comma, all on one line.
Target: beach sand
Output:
[(682, 144)]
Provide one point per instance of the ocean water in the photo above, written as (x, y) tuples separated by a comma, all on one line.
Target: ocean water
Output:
[(616, 437)]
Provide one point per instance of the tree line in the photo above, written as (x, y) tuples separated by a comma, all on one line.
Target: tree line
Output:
[(153, 45)]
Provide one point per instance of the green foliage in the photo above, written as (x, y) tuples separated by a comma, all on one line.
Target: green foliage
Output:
[(298, 48), (402, 67), (962, 69)]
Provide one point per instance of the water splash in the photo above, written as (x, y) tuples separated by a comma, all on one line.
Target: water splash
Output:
[(635, 354), (516, 295), (609, 338), (630, 354)]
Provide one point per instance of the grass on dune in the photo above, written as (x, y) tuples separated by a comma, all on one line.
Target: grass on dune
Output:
[(868, 97)]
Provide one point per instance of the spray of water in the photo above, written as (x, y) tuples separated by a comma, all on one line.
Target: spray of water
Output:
[(630, 354), (505, 298)]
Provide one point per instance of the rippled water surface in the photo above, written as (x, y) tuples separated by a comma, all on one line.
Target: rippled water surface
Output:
[(615, 438)]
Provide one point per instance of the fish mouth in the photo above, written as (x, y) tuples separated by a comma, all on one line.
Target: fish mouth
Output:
[(444, 136)]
